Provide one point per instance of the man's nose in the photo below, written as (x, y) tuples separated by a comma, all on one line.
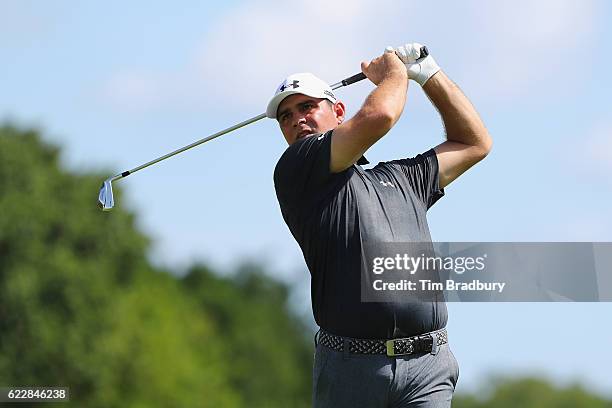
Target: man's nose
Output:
[(299, 121)]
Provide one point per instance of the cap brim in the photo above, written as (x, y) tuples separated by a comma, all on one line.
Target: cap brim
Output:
[(272, 108)]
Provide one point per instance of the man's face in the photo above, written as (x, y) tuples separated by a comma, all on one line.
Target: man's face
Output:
[(301, 115)]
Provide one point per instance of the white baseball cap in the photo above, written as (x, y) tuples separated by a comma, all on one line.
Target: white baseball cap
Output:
[(302, 83)]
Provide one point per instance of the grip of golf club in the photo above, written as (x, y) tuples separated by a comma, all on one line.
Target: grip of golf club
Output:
[(355, 78), (361, 76), (424, 52)]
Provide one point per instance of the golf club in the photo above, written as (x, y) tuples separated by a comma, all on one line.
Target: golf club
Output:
[(105, 198)]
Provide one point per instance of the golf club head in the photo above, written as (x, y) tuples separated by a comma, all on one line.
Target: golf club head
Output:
[(105, 198)]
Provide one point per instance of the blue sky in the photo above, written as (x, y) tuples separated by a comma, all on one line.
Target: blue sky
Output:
[(119, 84)]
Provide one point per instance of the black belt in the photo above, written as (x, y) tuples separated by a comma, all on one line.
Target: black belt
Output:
[(395, 347)]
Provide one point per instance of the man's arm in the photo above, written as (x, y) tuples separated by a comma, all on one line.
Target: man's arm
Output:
[(468, 141), (380, 111)]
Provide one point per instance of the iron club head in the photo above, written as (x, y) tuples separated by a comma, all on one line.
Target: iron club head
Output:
[(105, 198)]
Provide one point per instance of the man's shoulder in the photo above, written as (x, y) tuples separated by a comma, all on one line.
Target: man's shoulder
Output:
[(299, 151)]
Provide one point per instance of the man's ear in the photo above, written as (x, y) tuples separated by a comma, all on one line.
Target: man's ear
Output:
[(339, 110)]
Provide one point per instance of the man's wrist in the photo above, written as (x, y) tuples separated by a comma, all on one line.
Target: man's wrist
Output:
[(397, 76), (434, 81), (422, 71)]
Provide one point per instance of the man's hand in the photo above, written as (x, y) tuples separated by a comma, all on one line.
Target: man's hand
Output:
[(383, 67), (419, 69)]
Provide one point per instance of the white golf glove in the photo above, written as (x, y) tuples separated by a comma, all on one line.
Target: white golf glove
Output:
[(419, 69)]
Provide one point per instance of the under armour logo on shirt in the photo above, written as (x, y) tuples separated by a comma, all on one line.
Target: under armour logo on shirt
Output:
[(386, 184), (294, 84), (320, 137)]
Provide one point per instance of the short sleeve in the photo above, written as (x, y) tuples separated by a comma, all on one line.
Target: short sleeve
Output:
[(421, 173), (303, 170)]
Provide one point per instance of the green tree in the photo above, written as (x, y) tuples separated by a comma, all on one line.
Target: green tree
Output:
[(530, 393), (82, 307), (270, 351)]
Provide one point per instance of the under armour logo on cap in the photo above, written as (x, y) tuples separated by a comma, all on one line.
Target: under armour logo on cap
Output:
[(294, 84), (303, 83)]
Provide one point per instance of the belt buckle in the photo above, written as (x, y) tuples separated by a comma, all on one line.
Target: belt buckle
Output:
[(391, 347), (428, 341)]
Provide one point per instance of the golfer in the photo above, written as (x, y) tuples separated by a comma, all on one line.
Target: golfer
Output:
[(370, 354)]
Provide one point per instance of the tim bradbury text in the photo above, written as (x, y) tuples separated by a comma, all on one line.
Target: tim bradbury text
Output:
[(425, 284)]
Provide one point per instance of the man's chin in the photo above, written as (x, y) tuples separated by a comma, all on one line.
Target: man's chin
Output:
[(303, 135)]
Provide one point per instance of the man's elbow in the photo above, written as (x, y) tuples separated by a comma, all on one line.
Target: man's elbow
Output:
[(485, 146), (385, 121)]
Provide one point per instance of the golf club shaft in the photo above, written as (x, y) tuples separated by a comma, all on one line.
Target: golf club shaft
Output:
[(345, 82), (348, 81), (194, 144)]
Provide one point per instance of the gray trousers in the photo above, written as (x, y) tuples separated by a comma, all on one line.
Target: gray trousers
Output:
[(356, 380)]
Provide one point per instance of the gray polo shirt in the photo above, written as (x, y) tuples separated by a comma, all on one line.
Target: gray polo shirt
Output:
[(333, 215)]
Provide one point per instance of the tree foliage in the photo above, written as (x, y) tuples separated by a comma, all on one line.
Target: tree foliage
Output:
[(265, 344), (82, 307), (530, 393)]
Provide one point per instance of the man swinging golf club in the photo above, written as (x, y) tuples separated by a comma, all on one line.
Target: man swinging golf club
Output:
[(370, 354)]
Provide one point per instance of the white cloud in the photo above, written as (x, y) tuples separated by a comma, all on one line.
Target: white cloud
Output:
[(597, 150), (512, 45), (257, 45), (532, 43), (134, 91), (587, 156), (557, 23), (499, 50), (24, 22)]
